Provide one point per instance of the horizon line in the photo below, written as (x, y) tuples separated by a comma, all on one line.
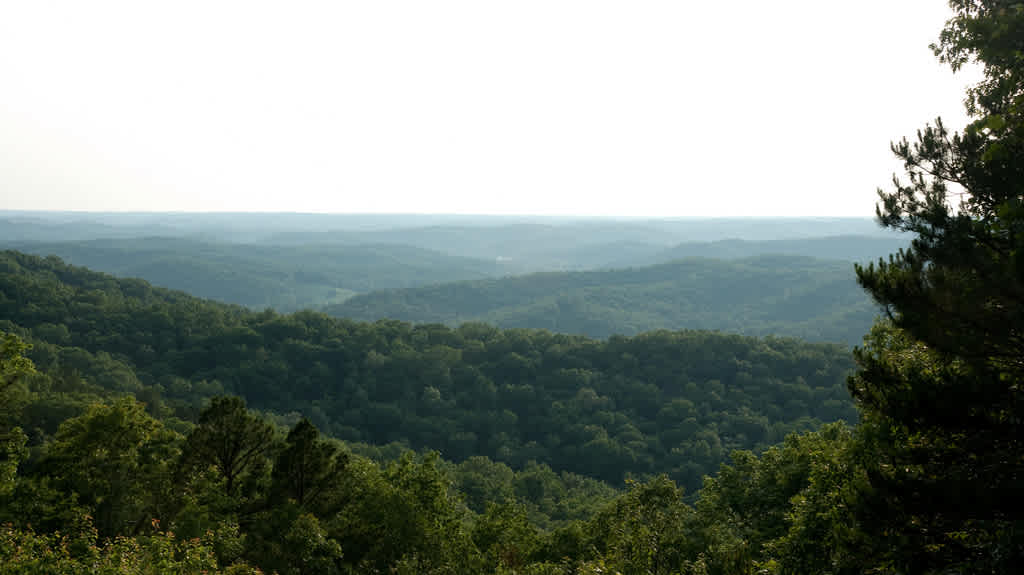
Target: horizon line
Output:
[(427, 214)]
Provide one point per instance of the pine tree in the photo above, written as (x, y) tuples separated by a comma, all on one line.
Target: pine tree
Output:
[(941, 388), (307, 467), (230, 438)]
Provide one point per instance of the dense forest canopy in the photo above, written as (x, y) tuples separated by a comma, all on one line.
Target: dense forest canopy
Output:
[(662, 402), (144, 430), (542, 430), (259, 276), (817, 300)]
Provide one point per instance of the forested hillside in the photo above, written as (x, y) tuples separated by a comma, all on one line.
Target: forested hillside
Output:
[(103, 483), (539, 421), (99, 482), (664, 402), (780, 295), (284, 278), (145, 431)]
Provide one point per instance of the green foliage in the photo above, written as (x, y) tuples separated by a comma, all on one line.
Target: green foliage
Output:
[(662, 402), (403, 516), (780, 295), (928, 483), (118, 460), (307, 466), (12, 452), (24, 552), (506, 537), (13, 366), (13, 363), (282, 277), (824, 535), (230, 438), (310, 549), (941, 388), (991, 33), (644, 530)]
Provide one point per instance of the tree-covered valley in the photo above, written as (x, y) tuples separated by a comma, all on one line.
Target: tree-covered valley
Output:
[(556, 397), (662, 402), (534, 429)]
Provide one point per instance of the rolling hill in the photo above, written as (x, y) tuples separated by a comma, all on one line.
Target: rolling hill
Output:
[(285, 278), (661, 402), (782, 295)]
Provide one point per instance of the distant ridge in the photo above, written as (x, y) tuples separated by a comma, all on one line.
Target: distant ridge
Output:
[(855, 248), (285, 278), (782, 295)]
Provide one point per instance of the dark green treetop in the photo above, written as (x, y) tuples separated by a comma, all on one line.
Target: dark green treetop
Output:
[(230, 438), (940, 389)]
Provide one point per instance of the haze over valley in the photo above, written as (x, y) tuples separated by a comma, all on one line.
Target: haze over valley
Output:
[(584, 276), (530, 288)]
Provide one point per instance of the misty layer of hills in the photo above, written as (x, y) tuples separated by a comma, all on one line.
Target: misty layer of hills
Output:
[(781, 295), (575, 275), (285, 278)]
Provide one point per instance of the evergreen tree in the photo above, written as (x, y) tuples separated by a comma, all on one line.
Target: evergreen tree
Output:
[(307, 466), (940, 389), (230, 438)]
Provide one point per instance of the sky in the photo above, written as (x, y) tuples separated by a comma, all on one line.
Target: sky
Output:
[(552, 107)]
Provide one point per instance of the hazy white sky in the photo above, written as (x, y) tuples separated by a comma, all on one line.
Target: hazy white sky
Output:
[(659, 108)]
